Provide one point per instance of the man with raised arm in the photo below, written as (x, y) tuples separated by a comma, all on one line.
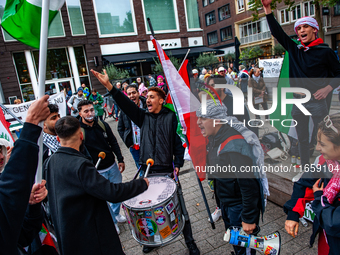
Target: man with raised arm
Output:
[(159, 139), (312, 64)]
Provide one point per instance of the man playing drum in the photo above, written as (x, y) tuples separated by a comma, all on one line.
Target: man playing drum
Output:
[(78, 195), (159, 140)]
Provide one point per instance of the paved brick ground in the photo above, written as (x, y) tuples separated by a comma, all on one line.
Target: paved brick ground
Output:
[(208, 240)]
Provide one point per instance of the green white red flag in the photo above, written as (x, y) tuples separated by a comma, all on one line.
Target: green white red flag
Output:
[(4, 129), (185, 104), (22, 19)]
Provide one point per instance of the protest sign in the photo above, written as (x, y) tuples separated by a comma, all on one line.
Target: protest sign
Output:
[(20, 110), (271, 67)]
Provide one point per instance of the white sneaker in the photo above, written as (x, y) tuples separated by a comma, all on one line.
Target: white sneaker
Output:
[(117, 229), (216, 215), (120, 218)]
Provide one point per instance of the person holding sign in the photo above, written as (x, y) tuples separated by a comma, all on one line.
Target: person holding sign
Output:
[(311, 65), (260, 95)]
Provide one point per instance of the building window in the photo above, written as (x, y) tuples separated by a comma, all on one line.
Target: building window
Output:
[(75, 16), (210, 18), (56, 28), (23, 76), (296, 13), (336, 8), (81, 61), (205, 2), (249, 4), (254, 31), (21, 68), (192, 14), (57, 66), (162, 14), (308, 8), (226, 33), (240, 5), (284, 16), (211, 1), (114, 17), (224, 12), (212, 38)]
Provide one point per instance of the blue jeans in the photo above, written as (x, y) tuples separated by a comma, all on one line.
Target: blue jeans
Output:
[(135, 155), (318, 109), (116, 109), (231, 216), (114, 176)]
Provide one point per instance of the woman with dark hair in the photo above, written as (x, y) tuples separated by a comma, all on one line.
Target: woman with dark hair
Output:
[(321, 183)]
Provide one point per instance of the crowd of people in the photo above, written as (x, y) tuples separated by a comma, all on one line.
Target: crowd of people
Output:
[(82, 201)]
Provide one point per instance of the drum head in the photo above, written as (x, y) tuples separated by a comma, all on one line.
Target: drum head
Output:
[(160, 189)]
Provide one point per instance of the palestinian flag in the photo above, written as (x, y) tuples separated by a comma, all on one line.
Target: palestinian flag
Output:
[(276, 115), (183, 102), (22, 19), (4, 129)]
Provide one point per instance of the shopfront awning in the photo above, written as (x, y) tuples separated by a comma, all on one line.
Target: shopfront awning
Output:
[(132, 58)]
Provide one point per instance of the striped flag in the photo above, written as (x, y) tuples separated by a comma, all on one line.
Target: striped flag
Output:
[(288, 127), (283, 82), (181, 95), (22, 19), (185, 104), (4, 129)]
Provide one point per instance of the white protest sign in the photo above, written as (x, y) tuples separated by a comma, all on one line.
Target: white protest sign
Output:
[(271, 67), (20, 110)]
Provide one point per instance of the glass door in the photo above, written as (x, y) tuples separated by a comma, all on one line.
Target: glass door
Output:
[(56, 86)]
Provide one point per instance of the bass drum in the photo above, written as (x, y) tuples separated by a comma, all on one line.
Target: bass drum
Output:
[(155, 216)]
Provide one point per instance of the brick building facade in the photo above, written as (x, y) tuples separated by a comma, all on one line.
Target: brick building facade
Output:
[(88, 34)]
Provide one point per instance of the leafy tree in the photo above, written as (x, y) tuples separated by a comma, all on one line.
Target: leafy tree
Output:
[(158, 67), (278, 49), (230, 57), (115, 73), (206, 60), (251, 52), (318, 3)]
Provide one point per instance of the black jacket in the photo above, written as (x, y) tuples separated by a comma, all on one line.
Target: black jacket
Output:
[(125, 127), (319, 62), (32, 225), (78, 195), (234, 188), (159, 140), (16, 183), (97, 140)]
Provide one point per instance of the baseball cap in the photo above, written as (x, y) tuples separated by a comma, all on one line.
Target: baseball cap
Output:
[(194, 71), (221, 69)]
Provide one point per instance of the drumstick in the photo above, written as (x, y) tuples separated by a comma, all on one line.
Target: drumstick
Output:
[(149, 164), (101, 156)]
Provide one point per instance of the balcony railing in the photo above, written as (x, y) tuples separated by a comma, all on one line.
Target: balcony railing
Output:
[(256, 37)]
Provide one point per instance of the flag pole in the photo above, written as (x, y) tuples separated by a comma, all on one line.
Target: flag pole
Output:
[(151, 28), (186, 55), (42, 75)]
